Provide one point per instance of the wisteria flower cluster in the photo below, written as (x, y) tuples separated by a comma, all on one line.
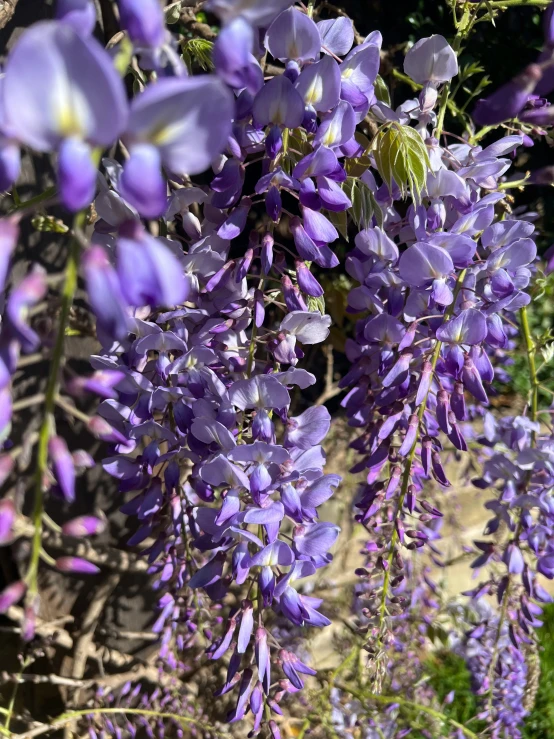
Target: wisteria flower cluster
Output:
[(208, 204)]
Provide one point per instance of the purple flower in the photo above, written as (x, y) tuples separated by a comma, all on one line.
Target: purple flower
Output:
[(143, 20), (337, 35), (338, 127), (79, 14), (468, 327), (423, 263), (29, 291), (7, 520), (293, 36), (278, 103), (104, 293), (49, 103), (84, 526), (11, 595), (359, 71), (509, 100), (258, 13), (431, 59), (9, 233), (309, 428), (148, 270), (232, 55), (63, 467), (162, 131), (319, 85), (76, 565)]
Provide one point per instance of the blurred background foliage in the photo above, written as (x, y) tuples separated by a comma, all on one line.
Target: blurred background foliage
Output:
[(448, 672)]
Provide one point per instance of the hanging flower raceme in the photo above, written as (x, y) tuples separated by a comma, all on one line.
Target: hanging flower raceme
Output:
[(435, 286)]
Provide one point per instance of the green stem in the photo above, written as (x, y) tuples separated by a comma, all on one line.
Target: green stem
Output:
[(514, 183), (499, 4), (68, 292), (480, 134), (26, 204), (530, 350), (391, 699), (26, 662), (456, 44), (67, 718), (350, 657)]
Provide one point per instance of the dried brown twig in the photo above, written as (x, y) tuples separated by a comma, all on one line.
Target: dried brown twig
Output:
[(7, 9)]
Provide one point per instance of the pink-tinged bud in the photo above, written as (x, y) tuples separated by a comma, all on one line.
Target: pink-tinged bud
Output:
[(11, 595), (9, 232), (103, 431), (244, 265), (101, 383), (191, 225), (425, 383), (82, 460), (267, 253), (411, 435), (76, 565), (6, 466), (275, 733), (84, 526), (28, 626), (221, 277), (62, 467), (7, 519)]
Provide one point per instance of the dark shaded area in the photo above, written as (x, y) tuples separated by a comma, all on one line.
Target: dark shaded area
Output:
[(502, 51)]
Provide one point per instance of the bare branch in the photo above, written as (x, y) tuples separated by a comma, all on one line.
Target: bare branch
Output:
[(7, 677), (331, 388), (7, 9)]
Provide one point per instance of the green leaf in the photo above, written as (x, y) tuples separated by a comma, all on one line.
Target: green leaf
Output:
[(355, 167), (364, 205), (381, 90), (340, 222), (42, 222), (198, 50), (173, 12), (357, 205), (123, 56), (377, 211), (297, 148), (548, 353), (401, 156), (316, 304)]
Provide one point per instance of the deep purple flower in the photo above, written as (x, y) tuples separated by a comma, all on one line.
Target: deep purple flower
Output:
[(509, 100), (79, 14), (76, 565), (63, 467), (143, 20)]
